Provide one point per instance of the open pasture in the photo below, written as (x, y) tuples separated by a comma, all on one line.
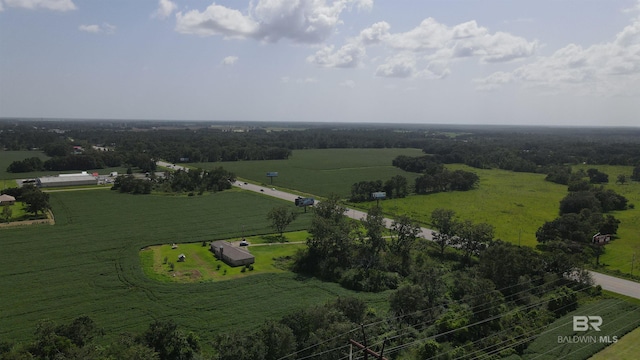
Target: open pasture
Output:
[(88, 264), (626, 348), (322, 172), (619, 254), (517, 204)]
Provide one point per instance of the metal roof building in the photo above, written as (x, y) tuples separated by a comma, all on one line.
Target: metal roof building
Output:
[(67, 180)]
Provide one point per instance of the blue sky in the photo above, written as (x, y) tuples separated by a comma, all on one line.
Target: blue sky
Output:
[(529, 62)]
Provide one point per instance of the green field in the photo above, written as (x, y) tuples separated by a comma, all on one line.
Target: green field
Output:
[(201, 265), (626, 348), (322, 172), (88, 264)]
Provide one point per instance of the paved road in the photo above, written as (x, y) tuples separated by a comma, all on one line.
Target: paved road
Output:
[(352, 213), (610, 283), (617, 285)]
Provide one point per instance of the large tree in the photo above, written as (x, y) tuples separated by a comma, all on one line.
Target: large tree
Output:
[(36, 200), (444, 221), (281, 217)]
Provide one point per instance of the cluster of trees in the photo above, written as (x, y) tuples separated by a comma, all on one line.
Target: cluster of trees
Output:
[(196, 180), (26, 165), (36, 201), (452, 303), (435, 177), (89, 159), (464, 235), (582, 215), (83, 339), (396, 187), (130, 185)]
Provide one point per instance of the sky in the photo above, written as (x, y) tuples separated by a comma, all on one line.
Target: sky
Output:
[(524, 62)]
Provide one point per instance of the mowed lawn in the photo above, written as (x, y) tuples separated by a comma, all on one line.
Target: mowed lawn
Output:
[(201, 265), (322, 172), (88, 264)]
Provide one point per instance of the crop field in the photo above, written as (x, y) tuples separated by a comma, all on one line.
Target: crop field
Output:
[(322, 172), (560, 341), (201, 265), (88, 264)]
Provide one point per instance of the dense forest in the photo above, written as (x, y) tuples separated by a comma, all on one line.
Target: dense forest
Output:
[(528, 149)]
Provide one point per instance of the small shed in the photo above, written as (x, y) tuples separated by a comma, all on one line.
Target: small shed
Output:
[(231, 255), (7, 199)]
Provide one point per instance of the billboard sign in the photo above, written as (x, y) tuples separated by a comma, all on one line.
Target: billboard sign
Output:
[(272, 174), (304, 201), (379, 195)]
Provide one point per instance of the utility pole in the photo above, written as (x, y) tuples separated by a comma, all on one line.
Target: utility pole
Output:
[(365, 348)]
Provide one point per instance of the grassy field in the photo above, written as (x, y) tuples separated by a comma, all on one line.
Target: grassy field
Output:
[(321, 172), (200, 264), (618, 318), (626, 348), (517, 204), (88, 264)]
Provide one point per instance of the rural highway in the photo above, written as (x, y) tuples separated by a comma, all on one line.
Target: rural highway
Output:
[(609, 283)]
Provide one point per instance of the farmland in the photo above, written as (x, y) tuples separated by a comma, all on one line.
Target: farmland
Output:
[(322, 172), (557, 341), (88, 263), (515, 203)]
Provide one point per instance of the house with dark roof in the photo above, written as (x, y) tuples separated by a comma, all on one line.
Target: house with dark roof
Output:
[(231, 255)]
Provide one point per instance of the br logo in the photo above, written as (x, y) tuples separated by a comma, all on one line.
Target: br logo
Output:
[(583, 323)]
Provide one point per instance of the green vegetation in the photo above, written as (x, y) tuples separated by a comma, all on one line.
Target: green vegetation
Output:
[(322, 172), (618, 318), (626, 348), (516, 204), (201, 265), (88, 263), (7, 157)]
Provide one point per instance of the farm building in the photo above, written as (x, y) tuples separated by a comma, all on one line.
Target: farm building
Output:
[(231, 255), (7, 199), (67, 180)]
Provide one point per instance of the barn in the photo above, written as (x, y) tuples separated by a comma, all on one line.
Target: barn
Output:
[(231, 255)]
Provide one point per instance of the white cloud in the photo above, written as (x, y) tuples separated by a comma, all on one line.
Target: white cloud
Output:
[(600, 69), (348, 56), (301, 21), (436, 46), (165, 9), (56, 5), (229, 60), (95, 29), (402, 66)]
